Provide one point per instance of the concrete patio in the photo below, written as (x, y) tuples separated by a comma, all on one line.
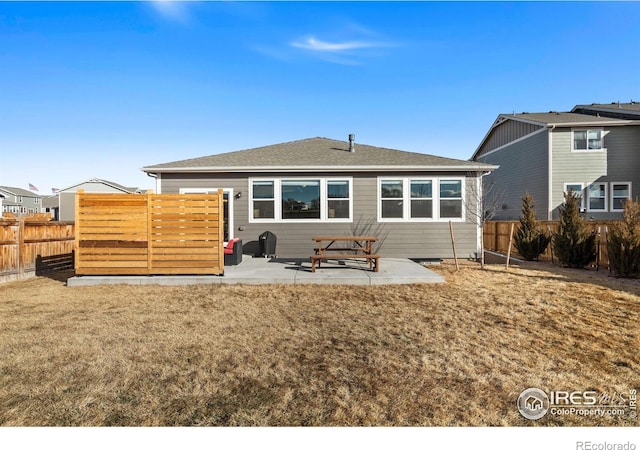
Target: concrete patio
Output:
[(286, 271)]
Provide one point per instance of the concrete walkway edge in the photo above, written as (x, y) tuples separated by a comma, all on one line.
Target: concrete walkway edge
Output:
[(284, 271)]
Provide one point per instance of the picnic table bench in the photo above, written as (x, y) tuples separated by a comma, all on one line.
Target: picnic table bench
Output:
[(361, 248)]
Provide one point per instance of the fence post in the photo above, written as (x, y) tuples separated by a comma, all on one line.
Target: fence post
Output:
[(149, 234), (21, 247), (510, 242), (453, 244)]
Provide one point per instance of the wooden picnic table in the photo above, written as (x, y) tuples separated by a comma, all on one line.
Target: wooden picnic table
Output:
[(360, 247)]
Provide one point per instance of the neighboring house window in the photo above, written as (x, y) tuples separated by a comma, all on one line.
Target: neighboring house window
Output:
[(451, 199), (417, 199), (301, 199), (587, 140), (620, 192), (597, 197), (263, 199), (422, 199), (577, 189)]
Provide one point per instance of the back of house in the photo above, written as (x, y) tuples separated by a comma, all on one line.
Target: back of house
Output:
[(321, 186)]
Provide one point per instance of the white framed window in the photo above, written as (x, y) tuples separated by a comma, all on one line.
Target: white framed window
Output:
[(587, 140), (620, 192), (20, 199), (300, 199), (421, 199), (578, 190), (263, 199), (392, 199), (338, 199), (597, 197), (404, 199), (36, 200), (451, 199)]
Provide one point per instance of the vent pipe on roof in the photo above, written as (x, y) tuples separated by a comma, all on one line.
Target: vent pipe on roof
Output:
[(352, 138)]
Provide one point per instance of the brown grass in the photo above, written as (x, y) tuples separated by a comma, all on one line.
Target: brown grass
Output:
[(453, 354)]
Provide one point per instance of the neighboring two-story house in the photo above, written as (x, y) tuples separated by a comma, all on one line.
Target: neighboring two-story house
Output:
[(593, 150), (20, 202)]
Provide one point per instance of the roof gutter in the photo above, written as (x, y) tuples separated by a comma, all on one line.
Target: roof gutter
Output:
[(613, 123), (238, 169)]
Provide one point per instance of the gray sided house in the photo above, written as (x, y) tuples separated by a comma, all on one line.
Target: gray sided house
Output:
[(19, 202), (67, 196), (322, 186), (594, 151)]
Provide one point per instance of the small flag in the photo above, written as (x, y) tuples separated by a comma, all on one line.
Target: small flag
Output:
[(32, 187), (55, 190)]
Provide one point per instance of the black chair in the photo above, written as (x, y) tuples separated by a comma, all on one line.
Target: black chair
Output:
[(233, 252)]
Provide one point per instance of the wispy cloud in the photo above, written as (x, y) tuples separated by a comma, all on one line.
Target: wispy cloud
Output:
[(345, 51), (314, 44)]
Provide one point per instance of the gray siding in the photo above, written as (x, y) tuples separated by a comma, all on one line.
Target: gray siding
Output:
[(505, 133), (619, 162), (67, 206), (523, 168), (408, 240)]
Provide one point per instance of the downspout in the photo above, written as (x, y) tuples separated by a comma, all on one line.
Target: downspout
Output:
[(479, 228), (157, 177), (550, 172)]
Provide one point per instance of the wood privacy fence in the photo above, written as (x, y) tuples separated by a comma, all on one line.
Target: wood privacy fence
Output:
[(496, 237), (30, 246), (124, 234)]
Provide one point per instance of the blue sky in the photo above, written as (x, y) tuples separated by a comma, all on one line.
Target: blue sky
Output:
[(102, 89)]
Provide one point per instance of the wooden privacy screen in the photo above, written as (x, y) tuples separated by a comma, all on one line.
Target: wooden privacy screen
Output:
[(149, 234)]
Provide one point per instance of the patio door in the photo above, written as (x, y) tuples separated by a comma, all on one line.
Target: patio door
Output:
[(227, 195)]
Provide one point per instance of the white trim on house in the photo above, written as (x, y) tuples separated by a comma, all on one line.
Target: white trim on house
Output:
[(550, 174), (480, 216), (277, 200), (435, 199)]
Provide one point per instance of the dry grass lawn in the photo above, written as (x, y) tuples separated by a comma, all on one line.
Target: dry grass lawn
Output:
[(419, 355)]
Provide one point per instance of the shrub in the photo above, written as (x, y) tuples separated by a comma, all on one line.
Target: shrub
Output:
[(574, 244), (624, 242), (530, 240)]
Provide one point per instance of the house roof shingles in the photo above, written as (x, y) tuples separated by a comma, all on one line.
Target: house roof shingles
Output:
[(316, 153), (131, 190), (631, 106), (19, 191), (552, 118)]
